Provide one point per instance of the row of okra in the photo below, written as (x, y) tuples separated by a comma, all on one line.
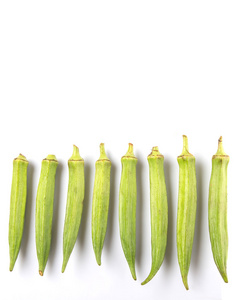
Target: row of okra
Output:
[(186, 214)]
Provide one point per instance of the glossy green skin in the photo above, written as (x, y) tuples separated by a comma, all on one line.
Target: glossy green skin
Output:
[(44, 210), (74, 206), (17, 207), (158, 211), (127, 208), (217, 212), (186, 216), (100, 204)]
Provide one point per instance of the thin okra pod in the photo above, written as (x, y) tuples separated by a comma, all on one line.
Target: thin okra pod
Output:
[(100, 203), (187, 204), (158, 211), (17, 207), (127, 208), (74, 206), (217, 209), (44, 210)]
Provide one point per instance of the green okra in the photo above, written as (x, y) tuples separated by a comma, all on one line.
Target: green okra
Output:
[(158, 211), (74, 206), (217, 210), (100, 203), (187, 205), (17, 207), (44, 210), (127, 208)]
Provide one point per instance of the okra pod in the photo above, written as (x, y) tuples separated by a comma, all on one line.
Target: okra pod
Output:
[(127, 208), (217, 209), (187, 204), (158, 211), (74, 205), (44, 210), (100, 203), (17, 207)]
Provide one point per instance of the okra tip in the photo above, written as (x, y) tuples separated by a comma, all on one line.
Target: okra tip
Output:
[(12, 263), (147, 280), (11, 266), (41, 272), (63, 266), (225, 278), (98, 260), (185, 282), (133, 274)]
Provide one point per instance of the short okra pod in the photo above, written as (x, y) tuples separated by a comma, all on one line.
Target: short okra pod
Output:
[(100, 203), (158, 211), (127, 208), (187, 205), (17, 207), (74, 205), (217, 210), (44, 210)]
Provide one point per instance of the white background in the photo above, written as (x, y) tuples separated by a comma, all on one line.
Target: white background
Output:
[(145, 72)]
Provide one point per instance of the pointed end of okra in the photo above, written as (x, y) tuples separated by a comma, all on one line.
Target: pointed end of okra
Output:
[(185, 282), (64, 263), (11, 266), (145, 281), (132, 270), (98, 261), (75, 154), (63, 267), (150, 276), (103, 155), (41, 272), (224, 276)]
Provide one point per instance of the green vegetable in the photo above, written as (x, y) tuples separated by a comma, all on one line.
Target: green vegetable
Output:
[(74, 206), (100, 204), (187, 204), (158, 211), (127, 208), (17, 207), (217, 210), (44, 210)]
